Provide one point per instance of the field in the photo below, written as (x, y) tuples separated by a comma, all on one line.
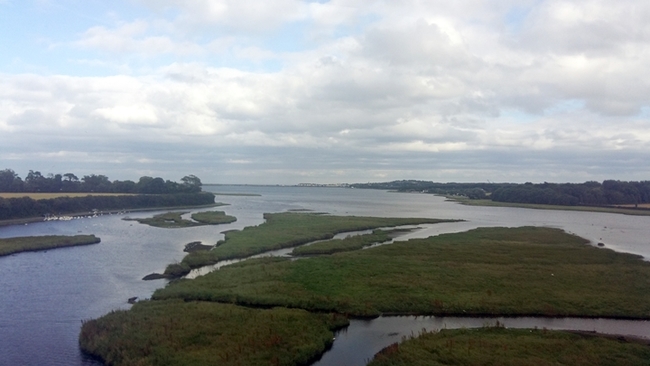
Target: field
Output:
[(499, 346), (34, 243), (44, 196)]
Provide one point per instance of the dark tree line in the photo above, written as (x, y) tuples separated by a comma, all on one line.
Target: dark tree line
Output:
[(25, 207), (609, 192), (471, 190), (68, 182)]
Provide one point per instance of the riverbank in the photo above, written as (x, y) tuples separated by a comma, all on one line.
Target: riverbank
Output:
[(10, 246), (82, 214), (489, 203)]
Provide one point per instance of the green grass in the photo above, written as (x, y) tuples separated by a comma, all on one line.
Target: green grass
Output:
[(521, 347), (285, 230), (198, 333), (488, 271), (490, 203), (344, 245), (34, 243), (213, 217), (173, 220)]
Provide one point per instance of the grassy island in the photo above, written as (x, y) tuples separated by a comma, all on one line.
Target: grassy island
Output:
[(274, 311), (200, 333), (499, 346), (172, 220), (35, 243), (285, 230), (527, 271)]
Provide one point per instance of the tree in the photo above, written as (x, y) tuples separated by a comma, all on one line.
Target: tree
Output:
[(192, 183), (35, 182), (9, 181), (96, 183)]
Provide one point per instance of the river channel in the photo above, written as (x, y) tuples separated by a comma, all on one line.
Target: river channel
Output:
[(46, 295)]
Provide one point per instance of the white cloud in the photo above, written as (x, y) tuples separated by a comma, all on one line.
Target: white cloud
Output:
[(134, 37)]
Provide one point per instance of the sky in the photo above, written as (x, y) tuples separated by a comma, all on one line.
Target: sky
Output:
[(291, 91)]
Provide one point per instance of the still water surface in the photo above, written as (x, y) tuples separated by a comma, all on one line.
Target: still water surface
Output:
[(46, 295)]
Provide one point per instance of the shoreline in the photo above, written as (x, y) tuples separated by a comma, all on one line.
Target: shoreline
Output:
[(598, 209), (31, 220)]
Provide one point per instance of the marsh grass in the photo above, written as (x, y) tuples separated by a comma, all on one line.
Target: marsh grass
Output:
[(199, 333), (499, 346), (35, 243), (489, 271), (347, 244), (172, 220), (285, 230), (213, 217)]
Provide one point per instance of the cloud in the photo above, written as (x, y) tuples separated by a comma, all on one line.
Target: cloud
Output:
[(237, 15), (133, 37)]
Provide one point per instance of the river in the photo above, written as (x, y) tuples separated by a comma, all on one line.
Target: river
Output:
[(46, 295)]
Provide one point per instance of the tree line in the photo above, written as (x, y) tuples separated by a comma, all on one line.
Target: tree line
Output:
[(69, 182), (25, 207), (609, 192)]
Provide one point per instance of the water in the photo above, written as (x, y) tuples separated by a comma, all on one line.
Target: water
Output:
[(46, 295), (358, 343)]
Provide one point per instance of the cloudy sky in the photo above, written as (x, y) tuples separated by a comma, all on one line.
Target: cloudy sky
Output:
[(290, 91)]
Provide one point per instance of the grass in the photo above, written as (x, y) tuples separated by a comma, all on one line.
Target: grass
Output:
[(489, 272), (213, 217), (348, 244), (200, 333), (284, 230), (173, 220), (606, 209), (44, 196), (287, 318), (521, 347), (35, 243)]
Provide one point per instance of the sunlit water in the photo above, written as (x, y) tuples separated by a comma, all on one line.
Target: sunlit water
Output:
[(46, 295)]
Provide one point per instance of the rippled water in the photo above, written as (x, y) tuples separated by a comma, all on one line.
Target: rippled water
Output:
[(46, 295)]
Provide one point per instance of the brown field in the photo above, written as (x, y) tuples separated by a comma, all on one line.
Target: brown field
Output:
[(43, 196)]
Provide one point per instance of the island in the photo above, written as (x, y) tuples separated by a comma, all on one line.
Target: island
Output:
[(36, 243), (278, 311), (175, 220)]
